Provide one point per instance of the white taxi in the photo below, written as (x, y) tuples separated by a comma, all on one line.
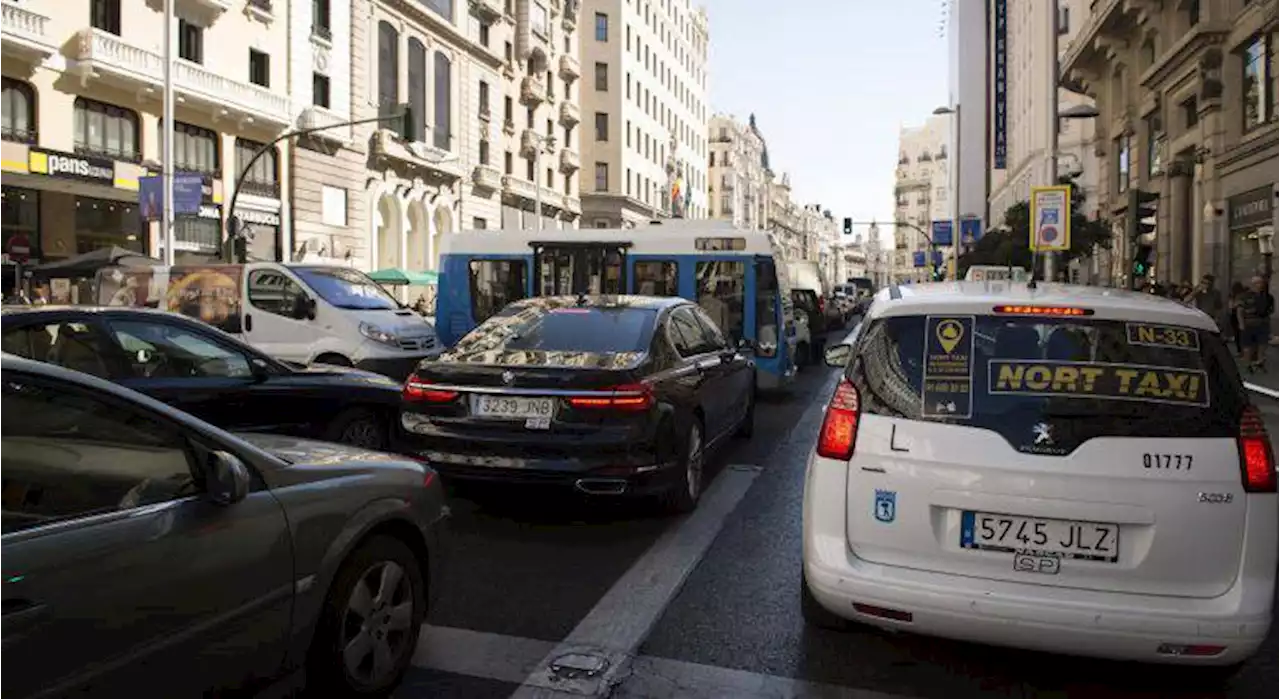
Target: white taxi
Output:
[(1063, 468)]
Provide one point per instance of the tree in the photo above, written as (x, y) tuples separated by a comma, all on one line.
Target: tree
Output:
[(1011, 245)]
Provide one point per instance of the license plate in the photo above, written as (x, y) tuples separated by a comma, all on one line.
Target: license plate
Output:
[(1093, 541), (513, 407)]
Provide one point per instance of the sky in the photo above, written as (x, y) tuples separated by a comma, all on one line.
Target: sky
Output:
[(830, 82)]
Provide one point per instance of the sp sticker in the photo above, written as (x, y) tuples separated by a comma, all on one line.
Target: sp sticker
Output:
[(886, 505)]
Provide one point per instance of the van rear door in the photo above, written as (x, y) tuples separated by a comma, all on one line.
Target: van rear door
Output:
[(1066, 452)]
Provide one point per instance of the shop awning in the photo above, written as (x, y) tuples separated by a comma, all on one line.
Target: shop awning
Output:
[(404, 277), (88, 264)]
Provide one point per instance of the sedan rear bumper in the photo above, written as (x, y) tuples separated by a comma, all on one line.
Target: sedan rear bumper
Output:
[(599, 475)]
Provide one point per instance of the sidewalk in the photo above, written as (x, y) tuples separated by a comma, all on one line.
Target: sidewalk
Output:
[(1265, 378)]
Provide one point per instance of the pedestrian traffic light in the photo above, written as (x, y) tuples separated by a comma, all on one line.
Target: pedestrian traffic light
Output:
[(848, 226)]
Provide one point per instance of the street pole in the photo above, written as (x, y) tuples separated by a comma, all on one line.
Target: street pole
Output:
[(167, 137), (1050, 258)]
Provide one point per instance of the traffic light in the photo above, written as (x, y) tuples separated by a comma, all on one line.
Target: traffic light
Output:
[(848, 226), (1140, 222)]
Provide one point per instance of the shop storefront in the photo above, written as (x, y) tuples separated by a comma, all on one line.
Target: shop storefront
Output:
[(68, 203), (262, 228), (1251, 222), (198, 239)]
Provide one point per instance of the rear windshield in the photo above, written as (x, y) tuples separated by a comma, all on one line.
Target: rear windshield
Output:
[(567, 329), (862, 284), (1080, 377)]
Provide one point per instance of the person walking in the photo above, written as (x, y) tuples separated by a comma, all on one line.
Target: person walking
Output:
[(1233, 303), (1255, 309)]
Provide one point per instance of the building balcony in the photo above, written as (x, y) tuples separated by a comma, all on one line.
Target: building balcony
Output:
[(570, 67), (26, 33), (104, 56), (519, 187), (573, 205), (207, 10), (423, 156), (570, 162), (570, 113), (487, 10), (334, 126), (530, 141), (486, 177), (532, 91)]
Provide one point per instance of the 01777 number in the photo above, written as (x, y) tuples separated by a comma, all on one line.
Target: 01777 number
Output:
[(1167, 462)]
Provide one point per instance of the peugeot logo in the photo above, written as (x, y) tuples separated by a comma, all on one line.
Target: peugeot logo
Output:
[(508, 377), (1043, 433)]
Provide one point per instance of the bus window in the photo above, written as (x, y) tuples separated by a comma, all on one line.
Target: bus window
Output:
[(494, 284), (766, 308), (657, 278), (563, 271), (721, 293)]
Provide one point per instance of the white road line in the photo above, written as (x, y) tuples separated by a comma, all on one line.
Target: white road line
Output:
[(509, 659), (1262, 389), (613, 629)]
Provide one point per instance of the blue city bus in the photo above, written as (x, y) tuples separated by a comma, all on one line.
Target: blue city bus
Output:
[(731, 273)]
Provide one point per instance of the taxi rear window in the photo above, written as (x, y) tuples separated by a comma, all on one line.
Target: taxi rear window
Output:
[(1102, 377)]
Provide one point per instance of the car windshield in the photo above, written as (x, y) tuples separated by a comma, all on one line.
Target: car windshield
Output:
[(591, 330), (347, 288), (1007, 373)]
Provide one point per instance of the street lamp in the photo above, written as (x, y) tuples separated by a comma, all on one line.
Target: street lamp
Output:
[(540, 142)]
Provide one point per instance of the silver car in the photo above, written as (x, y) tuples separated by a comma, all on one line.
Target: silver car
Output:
[(143, 548)]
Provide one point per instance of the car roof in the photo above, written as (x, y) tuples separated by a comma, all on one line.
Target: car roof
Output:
[(69, 308), (609, 301), (979, 298)]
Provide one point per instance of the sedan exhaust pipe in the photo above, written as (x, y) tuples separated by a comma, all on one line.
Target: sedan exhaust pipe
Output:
[(601, 486)]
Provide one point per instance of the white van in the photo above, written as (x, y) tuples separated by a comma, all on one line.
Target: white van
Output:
[(296, 312)]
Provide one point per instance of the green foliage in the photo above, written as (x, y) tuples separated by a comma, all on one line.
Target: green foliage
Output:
[(1011, 246)]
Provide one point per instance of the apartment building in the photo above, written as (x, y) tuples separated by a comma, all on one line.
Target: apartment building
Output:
[(739, 174), (1188, 98), (646, 152), (921, 193), (786, 220), (1024, 130), (83, 96)]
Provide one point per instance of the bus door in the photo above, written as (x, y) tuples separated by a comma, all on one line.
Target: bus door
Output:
[(570, 268)]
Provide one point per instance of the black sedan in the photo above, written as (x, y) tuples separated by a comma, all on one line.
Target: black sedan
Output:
[(614, 395), (208, 373), (144, 548)]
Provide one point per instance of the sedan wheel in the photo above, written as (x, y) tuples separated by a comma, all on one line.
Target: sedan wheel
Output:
[(684, 493), (359, 428), (369, 625)]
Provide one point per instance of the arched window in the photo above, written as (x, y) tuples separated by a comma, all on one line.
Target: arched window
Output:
[(444, 102), (263, 179), (418, 88), (106, 130), (19, 112), (388, 68)]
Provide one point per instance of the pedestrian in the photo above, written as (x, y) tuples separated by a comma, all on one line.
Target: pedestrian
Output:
[(1208, 299), (1233, 302), (1255, 309)]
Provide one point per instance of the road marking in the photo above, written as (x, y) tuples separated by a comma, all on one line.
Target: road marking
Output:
[(1262, 389), (509, 659)]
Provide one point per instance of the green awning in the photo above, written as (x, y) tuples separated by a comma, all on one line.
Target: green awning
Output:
[(402, 277)]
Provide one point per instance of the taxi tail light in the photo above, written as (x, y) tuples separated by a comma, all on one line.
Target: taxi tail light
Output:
[(419, 390), (1257, 460), (632, 398), (840, 425)]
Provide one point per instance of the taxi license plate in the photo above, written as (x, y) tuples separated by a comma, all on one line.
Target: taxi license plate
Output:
[(512, 407), (1094, 541)]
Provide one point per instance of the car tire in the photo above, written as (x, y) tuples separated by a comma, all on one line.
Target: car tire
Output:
[(816, 615), (747, 427), (684, 494), (358, 427), (367, 579)]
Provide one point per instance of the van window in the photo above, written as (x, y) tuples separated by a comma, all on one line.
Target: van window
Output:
[(721, 288), (1049, 385), (657, 278), (274, 292), (494, 284), (346, 288)]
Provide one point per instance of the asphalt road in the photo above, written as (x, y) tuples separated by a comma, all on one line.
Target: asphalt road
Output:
[(707, 605)]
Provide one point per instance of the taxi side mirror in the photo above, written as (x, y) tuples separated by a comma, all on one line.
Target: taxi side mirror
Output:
[(838, 355)]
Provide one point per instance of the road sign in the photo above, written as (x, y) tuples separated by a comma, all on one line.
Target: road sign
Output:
[(970, 230), (19, 248), (1051, 218), (941, 233)]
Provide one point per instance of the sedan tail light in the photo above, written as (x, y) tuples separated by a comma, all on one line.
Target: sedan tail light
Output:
[(628, 397), (1257, 460), (840, 426), (419, 390)]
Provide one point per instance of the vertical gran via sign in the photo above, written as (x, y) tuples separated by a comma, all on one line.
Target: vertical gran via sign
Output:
[(1000, 85)]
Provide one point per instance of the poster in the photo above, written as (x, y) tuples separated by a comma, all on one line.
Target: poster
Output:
[(1051, 218), (210, 294), (947, 386)]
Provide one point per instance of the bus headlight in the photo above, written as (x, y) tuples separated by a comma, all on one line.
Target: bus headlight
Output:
[(377, 334), (767, 349)]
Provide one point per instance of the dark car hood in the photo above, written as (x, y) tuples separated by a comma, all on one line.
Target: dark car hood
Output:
[(296, 450), (341, 373)]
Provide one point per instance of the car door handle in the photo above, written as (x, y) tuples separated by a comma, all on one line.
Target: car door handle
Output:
[(705, 364), (248, 323), (23, 612)]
